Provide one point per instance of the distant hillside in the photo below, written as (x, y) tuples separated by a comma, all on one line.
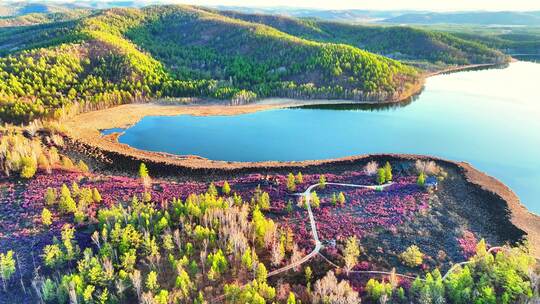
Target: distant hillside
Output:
[(510, 43), (8, 8), (404, 43), (36, 18), (349, 15), (479, 18), (120, 55)]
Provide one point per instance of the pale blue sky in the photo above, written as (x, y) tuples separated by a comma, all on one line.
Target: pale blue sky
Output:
[(428, 5), (437, 5)]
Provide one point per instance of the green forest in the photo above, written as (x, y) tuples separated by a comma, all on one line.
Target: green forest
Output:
[(399, 42), (64, 65)]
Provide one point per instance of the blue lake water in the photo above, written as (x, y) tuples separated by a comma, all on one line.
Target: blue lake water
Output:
[(490, 118)]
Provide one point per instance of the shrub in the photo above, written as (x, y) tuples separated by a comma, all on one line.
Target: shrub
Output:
[(48, 290), (299, 178), (381, 176), (226, 189), (46, 217), (67, 203), (308, 274), (151, 281), (412, 256), (315, 200), (375, 289), (66, 162), (28, 167), (261, 273), (291, 183), (421, 181), (291, 299), (264, 201), (341, 198), (143, 171), (212, 190), (143, 174), (431, 289), (96, 197), (218, 264), (52, 256), (289, 207), (50, 196), (162, 297), (388, 172), (468, 244), (83, 167), (351, 253), (322, 181), (7, 267)]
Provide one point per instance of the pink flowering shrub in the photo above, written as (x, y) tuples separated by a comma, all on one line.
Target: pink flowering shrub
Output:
[(363, 211), (468, 242)]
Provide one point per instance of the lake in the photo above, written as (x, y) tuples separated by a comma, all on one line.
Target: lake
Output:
[(490, 118)]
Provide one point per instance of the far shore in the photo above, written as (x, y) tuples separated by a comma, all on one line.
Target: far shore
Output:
[(462, 68), (126, 115)]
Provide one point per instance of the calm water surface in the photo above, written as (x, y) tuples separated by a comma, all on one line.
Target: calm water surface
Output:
[(490, 118)]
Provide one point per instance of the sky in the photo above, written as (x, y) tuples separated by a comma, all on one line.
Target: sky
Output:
[(433, 5), (427, 5)]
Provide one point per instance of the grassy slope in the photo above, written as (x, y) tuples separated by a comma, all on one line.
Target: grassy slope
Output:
[(397, 41)]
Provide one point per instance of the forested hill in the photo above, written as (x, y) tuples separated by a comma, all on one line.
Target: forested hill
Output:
[(399, 42), (106, 57), (120, 55)]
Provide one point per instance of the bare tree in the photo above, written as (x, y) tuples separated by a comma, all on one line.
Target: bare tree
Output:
[(371, 168), (137, 282), (176, 238), (72, 293), (329, 290), (277, 253), (427, 167), (95, 239), (296, 256)]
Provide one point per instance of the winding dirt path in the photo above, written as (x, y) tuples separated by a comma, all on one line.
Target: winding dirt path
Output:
[(318, 245)]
